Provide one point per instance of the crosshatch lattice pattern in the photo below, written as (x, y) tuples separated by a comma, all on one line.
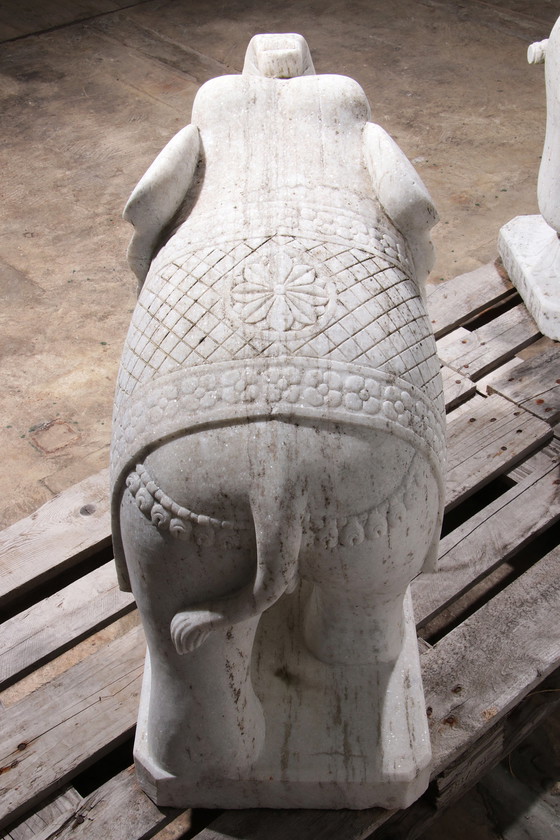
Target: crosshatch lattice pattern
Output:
[(184, 315)]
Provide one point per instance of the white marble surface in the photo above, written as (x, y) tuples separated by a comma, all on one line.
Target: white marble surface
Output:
[(278, 447), (530, 251), (342, 740), (528, 245)]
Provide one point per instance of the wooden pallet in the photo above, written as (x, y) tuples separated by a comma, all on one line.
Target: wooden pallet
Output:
[(71, 651)]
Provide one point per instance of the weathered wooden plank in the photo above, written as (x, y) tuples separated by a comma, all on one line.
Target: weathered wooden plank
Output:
[(483, 385), (461, 298), (550, 454), (64, 726), (456, 388), (493, 535), (37, 634), (54, 810), (121, 811), (477, 352), (534, 384), (485, 753), (118, 810), (483, 668), (65, 530), (485, 442)]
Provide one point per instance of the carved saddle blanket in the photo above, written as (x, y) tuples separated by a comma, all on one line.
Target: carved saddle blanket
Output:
[(325, 322)]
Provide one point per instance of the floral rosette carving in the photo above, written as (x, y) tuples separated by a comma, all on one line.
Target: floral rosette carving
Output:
[(279, 292)]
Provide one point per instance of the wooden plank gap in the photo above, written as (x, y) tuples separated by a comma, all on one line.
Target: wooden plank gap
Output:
[(476, 353), (53, 625), (533, 384), (72, 526), (487, 442), (456, 388), (461, 298), (492, 536)]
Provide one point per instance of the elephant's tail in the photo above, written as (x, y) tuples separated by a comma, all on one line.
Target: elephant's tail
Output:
[(278, 513)]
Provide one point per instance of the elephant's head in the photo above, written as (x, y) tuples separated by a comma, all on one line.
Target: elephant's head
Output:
[(280, 56)]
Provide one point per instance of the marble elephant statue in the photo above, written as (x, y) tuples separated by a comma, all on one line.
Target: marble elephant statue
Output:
[(278, 438)]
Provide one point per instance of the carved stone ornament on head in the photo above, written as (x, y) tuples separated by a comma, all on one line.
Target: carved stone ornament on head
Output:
[(278, 447), (529, 245)]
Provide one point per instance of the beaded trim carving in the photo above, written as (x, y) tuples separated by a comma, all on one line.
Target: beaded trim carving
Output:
[(163, 512), (326, 532)]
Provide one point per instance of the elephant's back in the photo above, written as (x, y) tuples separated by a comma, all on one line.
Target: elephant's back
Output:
[(331, 288)]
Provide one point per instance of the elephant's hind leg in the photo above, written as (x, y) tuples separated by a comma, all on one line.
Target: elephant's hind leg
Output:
[(355, 610), (200, 711)]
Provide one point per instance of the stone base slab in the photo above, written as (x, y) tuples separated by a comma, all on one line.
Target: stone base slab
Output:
[(530, 251)]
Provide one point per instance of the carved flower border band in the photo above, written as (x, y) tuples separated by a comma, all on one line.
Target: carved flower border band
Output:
[(280, 388)]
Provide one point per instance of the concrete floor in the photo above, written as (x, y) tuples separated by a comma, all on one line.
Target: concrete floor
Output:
[(91, 90)]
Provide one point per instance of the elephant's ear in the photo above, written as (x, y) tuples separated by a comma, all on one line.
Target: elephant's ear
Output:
[(402, 195), (158, 196)]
